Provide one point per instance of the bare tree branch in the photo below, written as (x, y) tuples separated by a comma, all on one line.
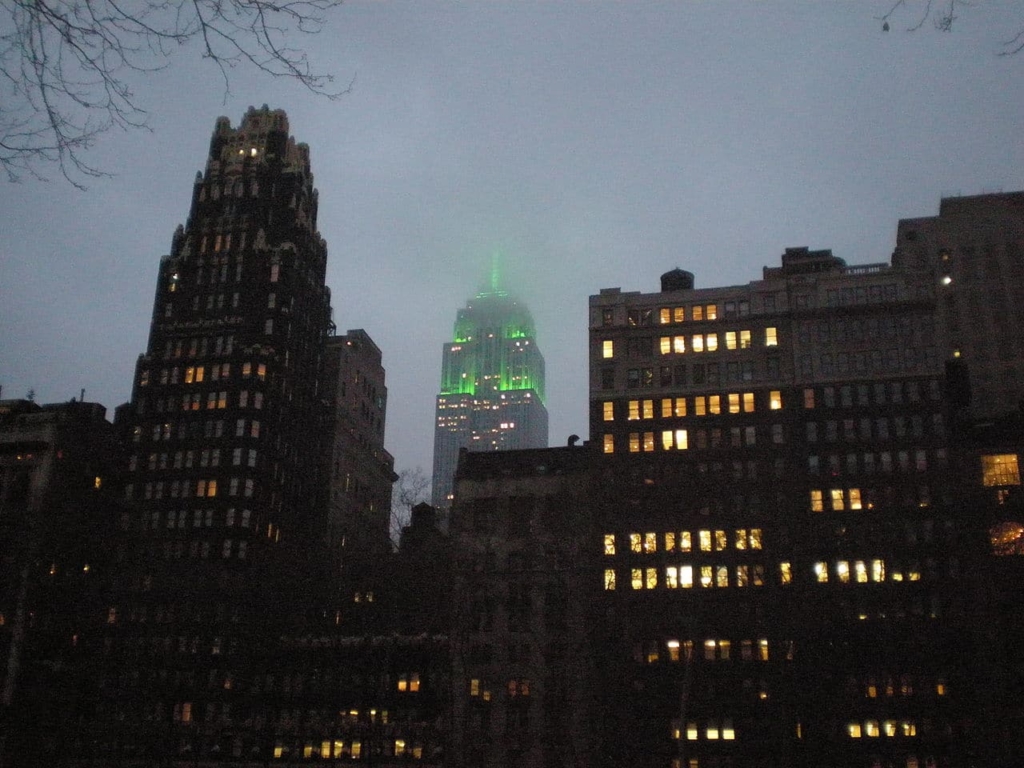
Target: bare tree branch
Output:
[(65, 66)]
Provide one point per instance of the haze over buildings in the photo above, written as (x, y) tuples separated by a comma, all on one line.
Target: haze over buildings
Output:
[(586, 141)]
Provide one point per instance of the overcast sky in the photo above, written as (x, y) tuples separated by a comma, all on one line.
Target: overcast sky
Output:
[(594, 145)]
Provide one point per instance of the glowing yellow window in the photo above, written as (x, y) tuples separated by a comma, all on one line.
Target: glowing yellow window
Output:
[(635, 543), (775, 400), (744, 339), (699, 406), (878, 570), (728, 731), (855, 498), (711, 312), (714, 404), (843, 571), (608, 444), (634, 442), (278, 750), (607, 349), (648, 409), (741, 538), (357, 746), (730, 339), (670, 541), (671, 577), (325, 749), (785, 573), (648, 442), (706, 576), (637, 578), (682, 441), (821, 572), (742, 575), (664, 315), (721, 576), (940, 688), (697, 313), (860, 571), (721, 541), (734, 403), (697, 343), (680, 406), (838, 501), (691, 732), (711, 732), (679, 344), (685, 542), (686, 576), (666, 440), (711, 342), (665, 345), (1000, 469), (608, 410), (817, 504), (609, 578), (871, 729), (666, 407), (673, 651), (399, 747), (678, 314), (650, 543), (705, 541), (908, 728), (748, 402), (853, 729), (771, 337), (755, 538), (652, 578), (762, 649), (634, 410), (609, 543)]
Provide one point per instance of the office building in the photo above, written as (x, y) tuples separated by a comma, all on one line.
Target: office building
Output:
[(492, 386), (227, 467), (787, 572), (973, 251)]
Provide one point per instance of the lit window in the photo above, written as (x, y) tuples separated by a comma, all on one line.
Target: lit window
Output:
[(710, 312), (705, 541), (730, 339), (670, 542), (1000, 469), (609, 444), (728, 731), (635, 543), (609, 543), (648, 409), (637, 578), (860, 571), (671, 577), (838, 501), (682, 442), (609, 578), (666, 440), (608, 411), (699, 406), (648, 442), (871, 729), (679, 344), (775, 400), (744, 339), (634, 410), (721, 541), (748, 402), (855, 498), (878, 570), (785, 573), (634, 442), (607, 349), (771, 337), (821, 572), (652, 578), (691, 728), (686, 576), (816, 501), (650, 543), (685, 542), (853, 729), (711, 342), (843, 571), (665, 345), (714, 404), (706, 574), (734, 403)]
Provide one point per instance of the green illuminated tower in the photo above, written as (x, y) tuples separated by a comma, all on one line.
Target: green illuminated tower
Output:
[(492, 385)]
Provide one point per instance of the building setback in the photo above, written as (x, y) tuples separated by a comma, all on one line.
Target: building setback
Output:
[(227, 463), (492, 386), (787, 571)]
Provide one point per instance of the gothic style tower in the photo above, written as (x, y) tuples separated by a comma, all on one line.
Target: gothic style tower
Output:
[(226, 423), (492, 385)]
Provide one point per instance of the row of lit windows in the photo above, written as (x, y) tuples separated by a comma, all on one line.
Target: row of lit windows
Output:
[(712, 731), (515, 688), (679, 439), (198, 346), (703, 405), (193, 402), (708, 576), (700, 342), (713, 650), (872, 728), (683, 541), (197, 374)]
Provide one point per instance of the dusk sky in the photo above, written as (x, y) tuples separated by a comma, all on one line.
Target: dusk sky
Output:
[(592, 144)]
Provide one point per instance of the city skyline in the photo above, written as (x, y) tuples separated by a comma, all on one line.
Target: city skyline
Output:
[(595, 146)]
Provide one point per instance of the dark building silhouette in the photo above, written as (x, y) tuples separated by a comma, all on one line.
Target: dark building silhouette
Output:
[(227, 468), (492, 385), (60, 513)]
